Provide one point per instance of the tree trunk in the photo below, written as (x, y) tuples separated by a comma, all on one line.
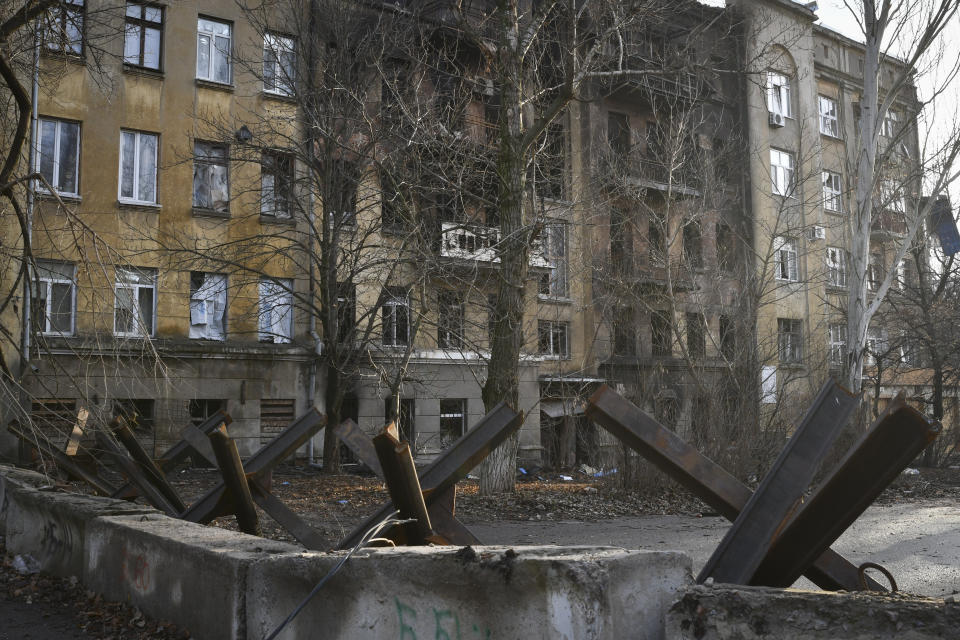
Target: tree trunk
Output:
[(498, 473), (333, 394)]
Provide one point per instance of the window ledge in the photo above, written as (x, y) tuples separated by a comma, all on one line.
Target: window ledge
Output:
[(835, 288), (143, 206), (66, 56), (289, 222), (46, 196), (831, 136), (209, 213), (279, 97), (831, 212), (136, 70), (542, 297), (216, 86)]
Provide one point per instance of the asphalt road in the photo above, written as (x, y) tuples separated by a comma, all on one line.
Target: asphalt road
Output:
[(919, 543)]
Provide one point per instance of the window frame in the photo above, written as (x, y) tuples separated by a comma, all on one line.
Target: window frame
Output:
[(270, 167), (785, 253), (555, 283), (837, 343), (136, 310), (212, 35), (58, 122), (661, 335), (278, 44), (449, 413), (875, 271), (557, 345), (790, 340), (205, 158), (782, 176), (215, 289), (779, 94), (47, 281), (450, 320), (696, 330), (63, 13), (836, 265), (832, 191), (275, 292), (395, 298), (138, 135), (828, 116), (142, 23)]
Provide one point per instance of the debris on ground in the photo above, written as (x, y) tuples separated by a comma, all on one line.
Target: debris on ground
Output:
[(86, 614)]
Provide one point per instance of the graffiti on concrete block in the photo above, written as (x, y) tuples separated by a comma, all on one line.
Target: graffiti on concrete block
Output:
[(135, 570), (444, 624)]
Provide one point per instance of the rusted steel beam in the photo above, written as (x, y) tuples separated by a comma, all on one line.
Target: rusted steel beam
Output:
[(400, 474), (150, 470), (701, 476), (134, 473), (444, 522), (200, 443), (781, 491), (228, 460), (359, 443), (65, 462), (894, 439), (178, 453), (76, 434), (294, 524), (269, 456), (454, 464)]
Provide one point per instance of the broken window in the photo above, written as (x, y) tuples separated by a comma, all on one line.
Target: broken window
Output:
[(53, 299), (785, 259), (778, 94), (661, 339), (276, 184), (836, 267), (275, 320), (790, 340), (135, 302), (453, 420), (832, 192), (829, 124), (211, 184), (208, 305)]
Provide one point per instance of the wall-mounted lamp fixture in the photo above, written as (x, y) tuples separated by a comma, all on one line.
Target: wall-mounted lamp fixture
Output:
[(243, 134)]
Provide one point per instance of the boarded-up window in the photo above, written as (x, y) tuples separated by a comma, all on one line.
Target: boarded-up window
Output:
[(275, 416)]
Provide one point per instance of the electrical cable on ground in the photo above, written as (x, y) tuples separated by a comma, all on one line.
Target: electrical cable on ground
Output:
[(368, 536)]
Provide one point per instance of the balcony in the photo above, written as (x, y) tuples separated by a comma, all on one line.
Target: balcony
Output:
[(478, 243), (888, 223)]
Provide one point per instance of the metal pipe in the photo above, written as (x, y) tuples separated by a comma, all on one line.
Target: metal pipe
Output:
[(27, 282)]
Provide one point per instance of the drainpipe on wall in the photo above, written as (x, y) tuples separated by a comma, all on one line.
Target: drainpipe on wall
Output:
[(28, 282)]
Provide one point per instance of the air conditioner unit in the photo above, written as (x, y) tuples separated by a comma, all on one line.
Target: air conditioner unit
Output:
[(817, 232), (776, 119)]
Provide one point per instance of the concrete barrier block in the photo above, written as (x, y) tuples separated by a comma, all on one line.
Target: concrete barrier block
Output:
[(176, 570), (450, 593), (727, 612), (51, 526), (12, 478)]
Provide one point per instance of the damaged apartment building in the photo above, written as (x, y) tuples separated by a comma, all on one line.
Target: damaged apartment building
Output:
[(212, 208)]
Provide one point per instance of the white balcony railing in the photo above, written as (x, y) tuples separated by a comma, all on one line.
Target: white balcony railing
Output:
[(476, 242)]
